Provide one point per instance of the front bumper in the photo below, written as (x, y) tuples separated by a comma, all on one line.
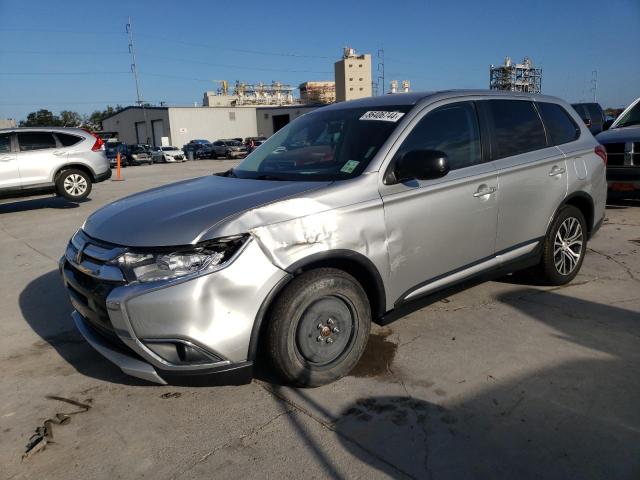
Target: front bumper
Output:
[(214, 312)]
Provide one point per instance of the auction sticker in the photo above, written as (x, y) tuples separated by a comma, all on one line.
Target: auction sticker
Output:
[(350, 166), (382, 116)]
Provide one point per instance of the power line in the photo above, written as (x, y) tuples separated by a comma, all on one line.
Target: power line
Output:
[(64, 73), (53, 52)]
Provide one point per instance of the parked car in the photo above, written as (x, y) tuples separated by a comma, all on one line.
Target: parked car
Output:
[(66, 161), (229, 149), (200, 148), (139, 154), (112, 149), (345, 216), (592, 115), (168, 154), (622, 142)]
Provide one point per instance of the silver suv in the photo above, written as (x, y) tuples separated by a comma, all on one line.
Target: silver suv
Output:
[(340, 218), (62, 160)]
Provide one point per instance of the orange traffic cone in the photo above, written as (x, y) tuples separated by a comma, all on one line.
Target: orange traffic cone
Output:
[(118, 177)]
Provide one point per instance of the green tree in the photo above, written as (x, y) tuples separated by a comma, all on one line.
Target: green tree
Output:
[(70, 119), (94, 121), (41, 118)]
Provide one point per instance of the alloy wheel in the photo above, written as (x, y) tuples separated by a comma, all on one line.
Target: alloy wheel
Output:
[(567, 246), (75, 185)]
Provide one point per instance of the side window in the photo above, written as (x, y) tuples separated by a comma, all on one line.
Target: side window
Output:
[(517, 127), (67, 140), (452, 129), (5, 143), (560, 125), (35, 141)]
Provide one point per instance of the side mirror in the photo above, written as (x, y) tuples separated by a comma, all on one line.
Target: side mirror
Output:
[(587, 121), (420, 165), (607, 125)]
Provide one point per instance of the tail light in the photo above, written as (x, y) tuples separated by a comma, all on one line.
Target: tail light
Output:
[(601, 152), (99, 143)]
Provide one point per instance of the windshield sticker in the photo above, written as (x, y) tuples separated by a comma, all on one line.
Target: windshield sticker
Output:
[(382, 116), (350, 166)]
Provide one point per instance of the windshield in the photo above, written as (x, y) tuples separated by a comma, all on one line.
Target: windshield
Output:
[(632, 117), (333, 144), (167, 149)]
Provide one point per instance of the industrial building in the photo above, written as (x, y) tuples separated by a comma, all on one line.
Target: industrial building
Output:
[(7, 123), (516, 77), (275, 93), (179, 125), (317, 92), (353, 76)]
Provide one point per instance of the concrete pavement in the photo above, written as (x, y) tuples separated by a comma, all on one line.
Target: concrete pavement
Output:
[(501, 380)]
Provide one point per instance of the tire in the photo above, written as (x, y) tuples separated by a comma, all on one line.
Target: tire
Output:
[(564, 247), (73, 184), (318, 327)]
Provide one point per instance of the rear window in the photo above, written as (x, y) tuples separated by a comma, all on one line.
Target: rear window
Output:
[(560, 125), (517, 127), (5, 143), (67, 140), (581, 111), (35, 141), (595, 112)]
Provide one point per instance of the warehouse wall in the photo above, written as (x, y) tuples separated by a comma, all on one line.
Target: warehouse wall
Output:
[(125, 124), (264, 116), (211, 123)]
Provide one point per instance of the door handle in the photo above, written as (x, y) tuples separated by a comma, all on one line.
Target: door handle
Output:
[(59, 152), (556, 171), (482, 191)]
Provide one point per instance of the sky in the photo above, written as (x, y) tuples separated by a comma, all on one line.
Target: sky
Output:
[(74, 55)]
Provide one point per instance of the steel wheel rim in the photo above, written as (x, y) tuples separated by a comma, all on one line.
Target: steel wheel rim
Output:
[(325, 331), (75, 184), (568, 246)]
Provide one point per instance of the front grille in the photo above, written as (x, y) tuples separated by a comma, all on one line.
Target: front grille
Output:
[(615, 154), (178, 157)]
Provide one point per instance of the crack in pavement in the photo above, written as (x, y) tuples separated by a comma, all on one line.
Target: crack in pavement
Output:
[(609, 257), (27, 244), (330, 426), (231, 442)]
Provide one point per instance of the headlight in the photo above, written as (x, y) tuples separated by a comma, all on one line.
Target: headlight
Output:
[(206, 257)]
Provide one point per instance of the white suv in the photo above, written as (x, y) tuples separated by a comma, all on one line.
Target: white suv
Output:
[(62, 160)]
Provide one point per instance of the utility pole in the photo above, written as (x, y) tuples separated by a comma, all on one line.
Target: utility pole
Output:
[(380, 78), (594, 84), (134, 69)]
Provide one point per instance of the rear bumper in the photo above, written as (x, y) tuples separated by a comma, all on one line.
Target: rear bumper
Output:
[(101, 177)]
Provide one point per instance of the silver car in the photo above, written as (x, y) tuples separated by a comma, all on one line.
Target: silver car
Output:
[(342, 217), (66, 161)]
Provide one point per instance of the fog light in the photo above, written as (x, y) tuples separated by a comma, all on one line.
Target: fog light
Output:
[(180, 352)]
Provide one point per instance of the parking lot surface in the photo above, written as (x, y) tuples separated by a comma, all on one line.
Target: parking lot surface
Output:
[(501, 380)]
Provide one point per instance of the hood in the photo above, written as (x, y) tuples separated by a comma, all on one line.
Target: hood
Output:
[(620, 135), (182, 213)]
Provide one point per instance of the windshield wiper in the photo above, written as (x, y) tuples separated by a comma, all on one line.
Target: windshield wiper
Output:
[(268, 177), (228, 173)]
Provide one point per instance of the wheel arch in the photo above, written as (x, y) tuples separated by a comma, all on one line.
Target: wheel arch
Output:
[(77, 166), (583, 202), (349, 261)]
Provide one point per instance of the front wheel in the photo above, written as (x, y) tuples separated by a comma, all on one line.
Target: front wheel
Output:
[(74, 185), (318, 327), (564, 247)]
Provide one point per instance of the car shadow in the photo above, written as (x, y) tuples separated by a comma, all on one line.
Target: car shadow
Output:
[(576, 418), (45, 306), (58, 203)]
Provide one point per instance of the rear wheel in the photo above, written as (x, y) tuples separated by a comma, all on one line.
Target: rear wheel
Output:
[(73, 184), (564, 247), (318, 327)]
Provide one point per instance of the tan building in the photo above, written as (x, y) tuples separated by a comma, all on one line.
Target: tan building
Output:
[(317, 92), (353, 76)]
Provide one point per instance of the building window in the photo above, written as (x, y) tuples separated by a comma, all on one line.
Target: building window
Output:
[(350, 65), (351, 79), (266, 115), (360, 88), (360, 65), (232, 115), (360, 78), (351, 88)]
